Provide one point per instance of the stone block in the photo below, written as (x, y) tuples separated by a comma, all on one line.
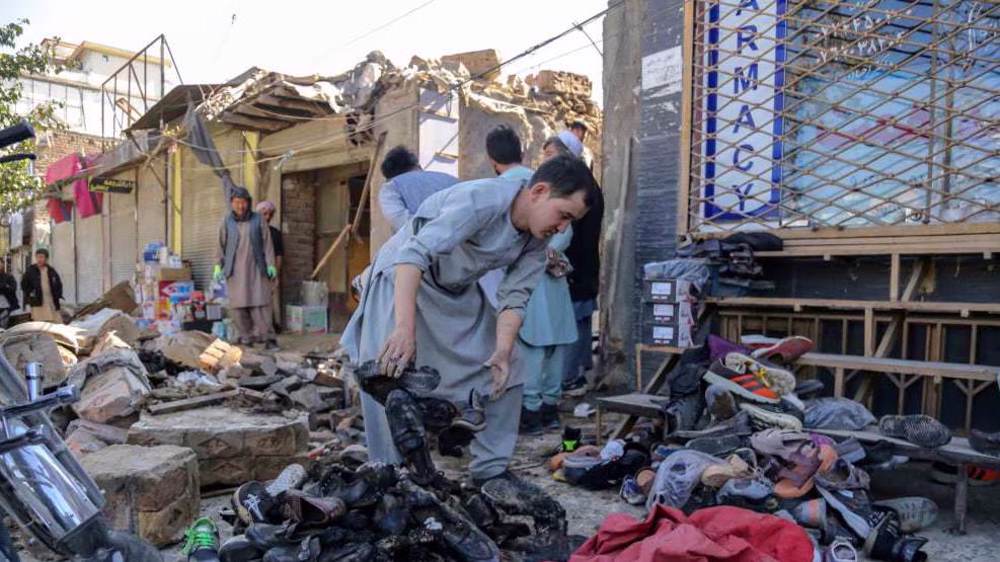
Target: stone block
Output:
[(477, 62), (152, 491), (229, 443), (117, 390)]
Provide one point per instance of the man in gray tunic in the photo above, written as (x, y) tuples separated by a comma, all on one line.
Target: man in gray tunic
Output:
[(245, 259), (422, 302), (407, 186)]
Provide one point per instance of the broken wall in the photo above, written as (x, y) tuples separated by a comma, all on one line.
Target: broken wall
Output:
[(478, 115), (396, 116)]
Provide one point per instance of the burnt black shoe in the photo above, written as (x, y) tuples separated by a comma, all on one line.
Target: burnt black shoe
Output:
[(473, 414), (452, 440), (531, 422), (350, 552), (550, 416), (517, 497), (264, 537), (462, 536), (409, 435), (417, 381), (907, 549), (921, 430), (718, 445), (282, 554), (239, 549), (391, 515), (253, 503)]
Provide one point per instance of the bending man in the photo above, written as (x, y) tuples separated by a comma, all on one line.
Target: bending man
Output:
[(423, 304)]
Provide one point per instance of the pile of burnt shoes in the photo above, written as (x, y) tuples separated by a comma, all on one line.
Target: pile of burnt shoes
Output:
[(376, 512), (360, 511)]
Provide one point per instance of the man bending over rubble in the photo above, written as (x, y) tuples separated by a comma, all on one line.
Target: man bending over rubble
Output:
[(422, 302)]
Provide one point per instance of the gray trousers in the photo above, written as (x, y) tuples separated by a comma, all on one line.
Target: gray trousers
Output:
[(254, 323), (492, 449)]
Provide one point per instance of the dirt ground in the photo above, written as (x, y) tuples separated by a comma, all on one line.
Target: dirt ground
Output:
[(586, 509)]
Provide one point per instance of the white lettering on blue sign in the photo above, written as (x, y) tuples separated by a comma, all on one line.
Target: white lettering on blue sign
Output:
[(742, 109)]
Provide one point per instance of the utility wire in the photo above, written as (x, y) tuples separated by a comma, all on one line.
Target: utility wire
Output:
[(371, 124), (378, 28)]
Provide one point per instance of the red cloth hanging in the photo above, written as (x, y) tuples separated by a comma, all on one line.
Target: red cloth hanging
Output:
[(88, 203), (59, 210), (714, 534)]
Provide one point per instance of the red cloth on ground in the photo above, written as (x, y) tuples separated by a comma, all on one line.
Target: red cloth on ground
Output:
[(714, 534), (87, 202)]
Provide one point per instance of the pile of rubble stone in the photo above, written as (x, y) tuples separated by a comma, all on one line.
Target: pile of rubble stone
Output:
[(161, 417)]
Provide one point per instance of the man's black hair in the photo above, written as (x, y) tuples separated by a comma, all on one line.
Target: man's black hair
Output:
[(579, 125), (42, 251), (503, 146), (566, 175), (398, 161)]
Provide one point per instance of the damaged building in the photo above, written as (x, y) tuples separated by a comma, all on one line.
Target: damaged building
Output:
[(312, 145)]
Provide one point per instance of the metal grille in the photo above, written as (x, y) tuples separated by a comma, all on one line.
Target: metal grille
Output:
[(844, 113)]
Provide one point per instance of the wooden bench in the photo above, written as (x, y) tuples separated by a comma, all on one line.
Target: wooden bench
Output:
[(957, 453), (636, 405), (903, 373)]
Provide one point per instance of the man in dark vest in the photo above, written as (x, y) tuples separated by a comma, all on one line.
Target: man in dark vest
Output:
[(42, 289), (246, 261)]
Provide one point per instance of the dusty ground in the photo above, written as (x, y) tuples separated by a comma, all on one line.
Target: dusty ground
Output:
[(586, 510)]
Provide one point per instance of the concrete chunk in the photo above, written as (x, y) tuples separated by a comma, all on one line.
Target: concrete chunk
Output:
[(152, 491)]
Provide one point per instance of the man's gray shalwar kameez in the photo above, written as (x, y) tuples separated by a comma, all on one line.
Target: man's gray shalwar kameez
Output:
[(456, 236)]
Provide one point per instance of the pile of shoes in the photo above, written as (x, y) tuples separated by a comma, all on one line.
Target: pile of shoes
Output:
[(372, 511), (737, 432), (354, 510)]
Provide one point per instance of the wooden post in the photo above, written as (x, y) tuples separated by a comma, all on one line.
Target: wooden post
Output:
[(341, 238), (366, 191), (869, 332), (961, 497), (894, 278), (838, 382)]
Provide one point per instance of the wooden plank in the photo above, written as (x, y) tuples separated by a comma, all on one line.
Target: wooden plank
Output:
[(901, 366), (329, 133), (254, 123), (879, 250), (337, 243), (887, 240), (300, 104), (192, 403), (913, 306), (921, 230), (956, 451), (366, 192)]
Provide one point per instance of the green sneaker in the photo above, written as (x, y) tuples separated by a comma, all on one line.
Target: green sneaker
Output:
[(202, 541)]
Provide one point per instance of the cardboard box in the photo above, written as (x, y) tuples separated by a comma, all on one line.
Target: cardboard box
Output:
[(157, 272), (661, 312), (213, 311), (306, 319), (676, 330), (668, 290)]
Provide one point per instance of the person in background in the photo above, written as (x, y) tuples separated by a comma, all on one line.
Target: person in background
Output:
[(266, 210), (245, 259), (549, 328), (407, 186), (8, 295), (583, 254), (42, 289), (579, 130)]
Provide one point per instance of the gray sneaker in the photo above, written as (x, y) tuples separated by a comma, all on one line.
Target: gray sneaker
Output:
[(921, 430), (914, 512)]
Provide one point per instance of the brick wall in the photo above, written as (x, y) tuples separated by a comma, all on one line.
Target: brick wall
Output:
[(298, 227), (61, 143)]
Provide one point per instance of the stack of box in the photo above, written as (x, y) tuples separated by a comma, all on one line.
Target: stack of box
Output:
[(166, 294), (670, 309)]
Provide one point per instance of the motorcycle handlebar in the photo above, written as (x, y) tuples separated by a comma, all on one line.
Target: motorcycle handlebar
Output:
[(60, 397), (13, 135)]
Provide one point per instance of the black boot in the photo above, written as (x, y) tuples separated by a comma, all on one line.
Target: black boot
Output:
[(531, 422), (409, 435), (550, 416)]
